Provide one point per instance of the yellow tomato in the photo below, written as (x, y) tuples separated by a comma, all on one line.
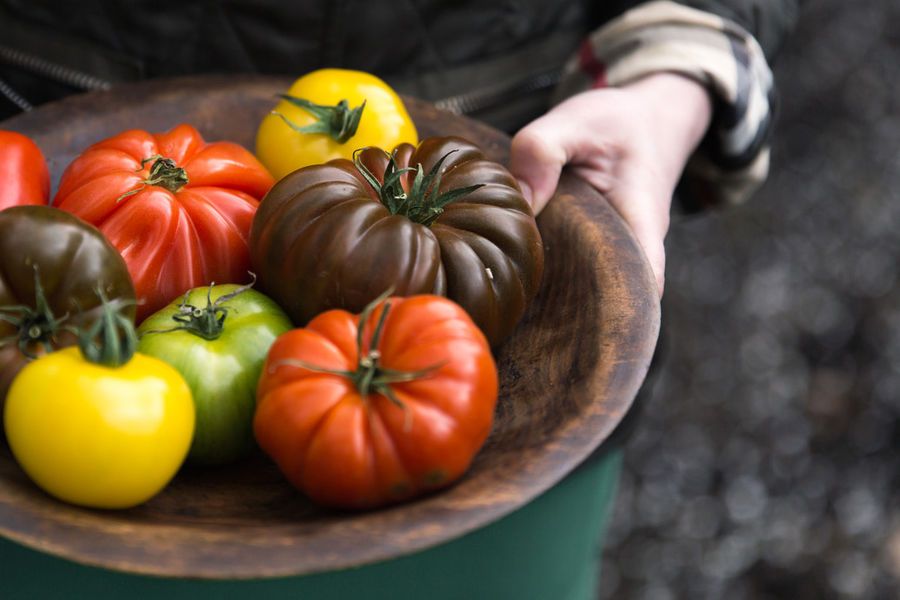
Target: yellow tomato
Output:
[(384, 121), (104, 437)]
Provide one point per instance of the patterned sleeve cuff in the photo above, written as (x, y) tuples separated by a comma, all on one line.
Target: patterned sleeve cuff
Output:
[(664, 36)]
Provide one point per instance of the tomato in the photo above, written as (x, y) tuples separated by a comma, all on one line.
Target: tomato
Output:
[(177, 208), (51, 264), (217, 338), (358, 420), (328, 106), (98, 425), (337, 235), (24, 178)]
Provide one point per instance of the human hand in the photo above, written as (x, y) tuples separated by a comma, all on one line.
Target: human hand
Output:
[(631, 143)]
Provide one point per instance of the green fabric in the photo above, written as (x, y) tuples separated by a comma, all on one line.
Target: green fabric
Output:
[(547, 550)]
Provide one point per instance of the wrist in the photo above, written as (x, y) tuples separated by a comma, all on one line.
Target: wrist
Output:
[(679, 107)]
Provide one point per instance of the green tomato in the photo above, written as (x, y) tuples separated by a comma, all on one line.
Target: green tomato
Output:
[(217, 338)]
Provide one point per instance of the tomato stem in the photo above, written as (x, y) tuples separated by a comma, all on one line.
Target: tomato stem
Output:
[(339, 121), (111, 340), (367, 367), (369, 376), (35, 326), (423, 202), (207, 322), (163, 172)]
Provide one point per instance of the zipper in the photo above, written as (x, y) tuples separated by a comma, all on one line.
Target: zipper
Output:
[(472, 102), (51, 70), (13, 96)]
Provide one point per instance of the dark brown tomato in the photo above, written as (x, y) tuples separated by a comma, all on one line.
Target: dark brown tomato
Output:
[(71, 260), (326, 238)]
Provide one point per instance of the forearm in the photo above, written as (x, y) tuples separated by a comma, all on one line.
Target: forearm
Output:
[(664, 36), (645, 92)]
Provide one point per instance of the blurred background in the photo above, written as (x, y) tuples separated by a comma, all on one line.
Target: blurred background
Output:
[(766, 464)]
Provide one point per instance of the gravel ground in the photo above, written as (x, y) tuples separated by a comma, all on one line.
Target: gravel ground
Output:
[(767, 463)]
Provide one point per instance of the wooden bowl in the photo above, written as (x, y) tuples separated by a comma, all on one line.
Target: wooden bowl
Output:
[(567, 377)]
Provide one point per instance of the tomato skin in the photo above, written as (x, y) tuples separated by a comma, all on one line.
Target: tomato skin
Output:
[(98, 436), (385, 121), (349, 451), (24, 178), (222, 373), (176, 240), (322, 239), (70, 258)]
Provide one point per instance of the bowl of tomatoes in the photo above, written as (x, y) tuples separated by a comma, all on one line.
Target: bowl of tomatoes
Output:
[(567, 363)]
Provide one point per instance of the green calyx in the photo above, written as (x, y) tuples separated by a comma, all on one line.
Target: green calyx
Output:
[(111, 341), (370, 376), (163, 172), (207, 322), (424, 202), (339, 122), (35, 326)]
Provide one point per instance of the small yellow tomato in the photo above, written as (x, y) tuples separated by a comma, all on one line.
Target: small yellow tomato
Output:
[(98, 436), (383, 122)]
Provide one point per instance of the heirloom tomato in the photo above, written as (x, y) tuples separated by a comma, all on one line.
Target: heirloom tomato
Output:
[(217, 337), (51, 264), (362, 411), (177, 208), (99, 425), (328, 114), (24, 178), (437, 219)]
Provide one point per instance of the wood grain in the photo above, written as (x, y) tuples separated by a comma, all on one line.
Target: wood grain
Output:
[(568, 375)]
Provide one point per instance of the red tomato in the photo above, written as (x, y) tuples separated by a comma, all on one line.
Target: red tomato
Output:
[(24, 178), (178, 209), (359, 429)]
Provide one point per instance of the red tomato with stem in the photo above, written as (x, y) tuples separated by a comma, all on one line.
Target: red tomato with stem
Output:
[(177, 208), (24, 179), (359, 419)]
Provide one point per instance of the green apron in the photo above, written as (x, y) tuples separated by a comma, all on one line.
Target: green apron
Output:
[(547, 550)]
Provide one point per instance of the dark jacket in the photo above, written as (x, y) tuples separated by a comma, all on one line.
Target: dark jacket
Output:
[(494, 59)]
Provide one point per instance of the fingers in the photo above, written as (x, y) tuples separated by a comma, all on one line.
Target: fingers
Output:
[(643, 201), (650, 230), (537, 157), (611, 139), (655, 250)]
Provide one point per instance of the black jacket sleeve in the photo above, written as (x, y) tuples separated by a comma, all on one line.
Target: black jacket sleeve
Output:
[(770, 21)]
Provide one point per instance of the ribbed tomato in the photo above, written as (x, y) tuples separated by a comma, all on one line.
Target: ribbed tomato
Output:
[(363, 419), (178, 209), (439, 218)]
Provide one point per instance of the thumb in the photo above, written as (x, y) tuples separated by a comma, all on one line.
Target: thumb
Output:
[(654, 248), (536, 159), (643, 204)]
